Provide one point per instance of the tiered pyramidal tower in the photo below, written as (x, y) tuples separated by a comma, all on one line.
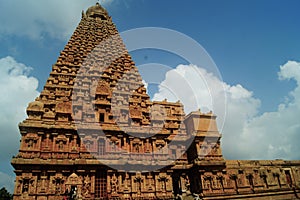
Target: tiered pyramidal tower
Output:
[(94, 133)]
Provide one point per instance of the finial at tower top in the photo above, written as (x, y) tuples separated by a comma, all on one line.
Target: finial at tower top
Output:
[(97, 11)]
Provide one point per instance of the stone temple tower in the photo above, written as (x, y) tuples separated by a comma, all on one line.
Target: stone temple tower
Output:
[(94, 133)]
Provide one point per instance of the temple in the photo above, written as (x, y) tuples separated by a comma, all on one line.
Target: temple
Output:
[(94, 133)]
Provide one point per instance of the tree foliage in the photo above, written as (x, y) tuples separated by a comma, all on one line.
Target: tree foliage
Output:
[(4, 194)]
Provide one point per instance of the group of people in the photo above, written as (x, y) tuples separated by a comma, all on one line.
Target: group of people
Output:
[(72, 195), (188, 197)]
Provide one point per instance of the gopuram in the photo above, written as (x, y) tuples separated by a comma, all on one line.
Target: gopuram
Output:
[(94, 133)]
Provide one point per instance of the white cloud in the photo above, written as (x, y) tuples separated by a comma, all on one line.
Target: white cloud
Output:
[(17, 89), (145, 84), (277, 133), (35, 18), (189, 84), (246, 135)]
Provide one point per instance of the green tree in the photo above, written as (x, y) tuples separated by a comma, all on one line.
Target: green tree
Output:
[(4, 194)]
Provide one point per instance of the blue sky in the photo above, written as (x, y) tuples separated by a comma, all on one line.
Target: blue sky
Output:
[(248, 40)]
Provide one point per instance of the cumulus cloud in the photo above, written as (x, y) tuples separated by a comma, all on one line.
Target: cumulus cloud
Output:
[(246, 135), (36, 18), (277, 133), (190, 84), (17, 89)]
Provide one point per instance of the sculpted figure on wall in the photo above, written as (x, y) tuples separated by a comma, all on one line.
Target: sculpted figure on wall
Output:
[(86, 186), (114, 184)]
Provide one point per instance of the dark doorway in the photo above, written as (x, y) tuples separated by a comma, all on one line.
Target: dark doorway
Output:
[(176, 185), (100, 184)]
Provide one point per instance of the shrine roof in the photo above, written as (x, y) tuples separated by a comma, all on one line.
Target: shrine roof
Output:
[(97, 11)]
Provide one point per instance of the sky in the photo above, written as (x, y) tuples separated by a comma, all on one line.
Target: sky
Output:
[(254, 45)]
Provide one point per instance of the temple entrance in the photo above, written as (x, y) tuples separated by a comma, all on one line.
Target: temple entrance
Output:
[(101, 184), (181, 185), (176, 185), (73, 186)]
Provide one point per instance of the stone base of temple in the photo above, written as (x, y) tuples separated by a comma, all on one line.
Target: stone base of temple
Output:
[(280, 195)]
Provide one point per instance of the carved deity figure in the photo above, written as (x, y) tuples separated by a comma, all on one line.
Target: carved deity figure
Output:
[(57, 187), (25, 186), (114, 184), (137, 148), (150, 182), (207, 182), (147, 146), (126, 181), (32, 186), (19, 184), (187, 183), (86, 185), (60, 145), (30, 143)]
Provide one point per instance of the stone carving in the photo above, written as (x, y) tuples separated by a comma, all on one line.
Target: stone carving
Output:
[(60, 142), (148, 147), (114, 184), (49, 114), (25, 188), (103, 89), (86, 190), (185, 184), (207, 182), (70, 59), (43, 184), (36, 106), (18, 186), (64, 107), (31, 141), (135, 113)]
